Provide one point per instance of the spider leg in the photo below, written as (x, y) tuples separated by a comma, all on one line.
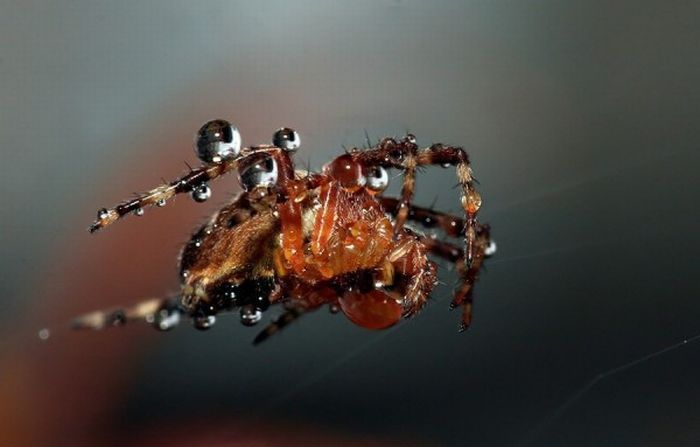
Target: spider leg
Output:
[(452, 226), (161, 313), (279, 323), (197, 177), (404, 155), (159, 195), (463, 294), (409, 259)]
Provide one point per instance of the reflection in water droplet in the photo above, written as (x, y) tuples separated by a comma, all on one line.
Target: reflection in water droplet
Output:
[(102, 213), (44, 334), (138, 212), (160, 202)]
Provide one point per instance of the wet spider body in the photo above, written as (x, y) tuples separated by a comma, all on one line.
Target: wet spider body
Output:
[(306, 240)]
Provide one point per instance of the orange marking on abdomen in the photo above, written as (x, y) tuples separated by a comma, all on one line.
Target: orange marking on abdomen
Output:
[(326, 217)]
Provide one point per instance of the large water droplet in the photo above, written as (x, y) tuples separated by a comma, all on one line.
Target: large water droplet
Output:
[(262, 173), (216, 141)]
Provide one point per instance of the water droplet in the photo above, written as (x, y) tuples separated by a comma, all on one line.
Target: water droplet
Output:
[(446, 165), (250, 315), (410, 138), (287, 139), (334, 308), (377, 179), (160, 202), (185, 274), (166, 319), (264, 174), (203, 322), (102, 213), (44, 334), (201, 193), (490, 249), (197, 243), (138, 212), (216, 141)]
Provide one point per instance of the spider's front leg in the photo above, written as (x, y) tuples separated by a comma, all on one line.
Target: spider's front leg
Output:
[(195, 181), (404, 155), (218, 146)]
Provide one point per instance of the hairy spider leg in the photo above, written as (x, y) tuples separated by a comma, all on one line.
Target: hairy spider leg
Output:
[(161, 313), (402, 155), (452, 226), (196, 177)]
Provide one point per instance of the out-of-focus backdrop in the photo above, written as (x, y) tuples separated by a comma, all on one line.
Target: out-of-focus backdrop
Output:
[(581, 119)]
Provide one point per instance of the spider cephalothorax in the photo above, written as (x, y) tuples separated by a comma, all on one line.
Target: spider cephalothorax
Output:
[(304, 240)]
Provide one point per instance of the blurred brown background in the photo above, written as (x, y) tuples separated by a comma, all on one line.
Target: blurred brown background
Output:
[(581, 120)]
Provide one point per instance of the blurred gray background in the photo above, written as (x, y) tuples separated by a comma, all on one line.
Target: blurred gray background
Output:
[(581, 121)]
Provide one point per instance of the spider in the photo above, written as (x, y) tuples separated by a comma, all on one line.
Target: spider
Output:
[(304, 240)]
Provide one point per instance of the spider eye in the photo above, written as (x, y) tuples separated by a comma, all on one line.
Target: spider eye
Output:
[(377, 179), (287, 139), (217, 140), (262, 173)]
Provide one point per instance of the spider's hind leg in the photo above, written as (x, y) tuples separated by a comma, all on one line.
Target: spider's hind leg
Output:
[(452, 226), (279, 323), (162, 313)]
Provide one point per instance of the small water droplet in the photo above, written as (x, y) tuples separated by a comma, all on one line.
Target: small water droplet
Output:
[(44, 334), (201, 193), (446, 165), (102, 213), (166, 319), (250, 315), (138, 212), (490, 249), (197, 243), (160, 202), (185, 274), (286, 139), (334, 308), (203, 322), (410, 138)]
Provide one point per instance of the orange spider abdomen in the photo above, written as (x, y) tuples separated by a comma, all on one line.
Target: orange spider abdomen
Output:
[(372, 310)]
